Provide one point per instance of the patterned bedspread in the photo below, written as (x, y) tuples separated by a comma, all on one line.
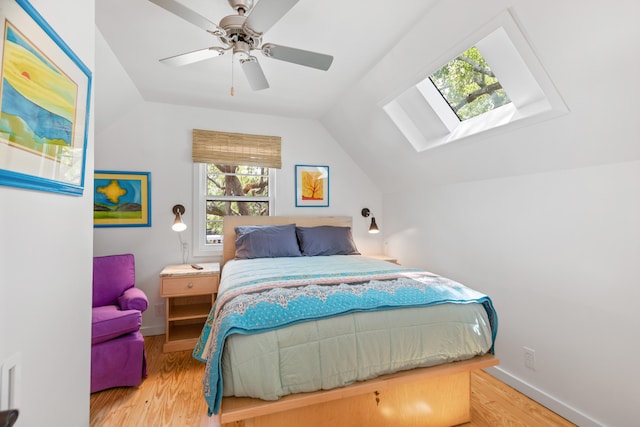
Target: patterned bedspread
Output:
[(260, 295)]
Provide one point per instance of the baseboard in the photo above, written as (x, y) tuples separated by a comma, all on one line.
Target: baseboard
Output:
[(544, 399), (149, 331)]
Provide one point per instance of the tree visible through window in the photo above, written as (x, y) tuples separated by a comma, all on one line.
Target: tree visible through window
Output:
[(234, 190), (469, 86)]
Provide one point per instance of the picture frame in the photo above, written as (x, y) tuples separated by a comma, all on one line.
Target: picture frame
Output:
[(121, 199), (312, 186), (44, 105)]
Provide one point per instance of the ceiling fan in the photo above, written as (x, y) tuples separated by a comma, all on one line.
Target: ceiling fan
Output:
[(242, 33)]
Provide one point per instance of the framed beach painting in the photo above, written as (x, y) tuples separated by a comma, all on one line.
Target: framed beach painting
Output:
[(44, 105), (121, 199), (312, 186)]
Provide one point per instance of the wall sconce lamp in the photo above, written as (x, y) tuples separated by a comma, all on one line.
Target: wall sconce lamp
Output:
[(373, 228), (178, 224)]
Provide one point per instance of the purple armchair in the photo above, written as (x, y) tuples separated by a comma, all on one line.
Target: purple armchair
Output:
[(117, 347)]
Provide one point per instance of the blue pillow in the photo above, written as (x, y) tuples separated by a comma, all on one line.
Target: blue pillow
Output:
[(266, 241), (326, 240)]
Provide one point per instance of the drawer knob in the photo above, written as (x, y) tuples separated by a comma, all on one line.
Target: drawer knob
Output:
[(190, 285)]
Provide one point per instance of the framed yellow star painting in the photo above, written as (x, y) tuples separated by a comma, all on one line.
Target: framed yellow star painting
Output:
[(121, 199)]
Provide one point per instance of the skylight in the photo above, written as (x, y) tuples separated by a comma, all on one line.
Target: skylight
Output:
[(463, 97), (469, 86)]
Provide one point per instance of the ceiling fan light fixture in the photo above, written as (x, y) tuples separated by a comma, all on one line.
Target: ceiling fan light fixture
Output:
[(241, 51)]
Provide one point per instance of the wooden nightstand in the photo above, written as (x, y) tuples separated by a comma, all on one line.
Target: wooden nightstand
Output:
[(190, 294), (384, 258)]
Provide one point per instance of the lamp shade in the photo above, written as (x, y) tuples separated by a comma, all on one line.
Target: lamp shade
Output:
[(178, 224), (373, 228)]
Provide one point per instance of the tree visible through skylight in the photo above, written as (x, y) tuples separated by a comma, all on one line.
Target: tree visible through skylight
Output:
[(469, 86)]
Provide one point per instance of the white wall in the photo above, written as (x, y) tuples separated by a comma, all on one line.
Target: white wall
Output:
[(45, 272), (544, 219), (156, 138), (558, 253)]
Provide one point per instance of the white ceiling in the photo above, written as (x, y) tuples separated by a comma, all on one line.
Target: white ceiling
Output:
[(357, 34)]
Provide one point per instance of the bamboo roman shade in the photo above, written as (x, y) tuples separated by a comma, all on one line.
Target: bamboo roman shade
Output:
[(236, 149)]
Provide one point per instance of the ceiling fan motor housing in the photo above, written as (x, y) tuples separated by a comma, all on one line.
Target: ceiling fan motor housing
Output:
[(232, 24), (236, 32)]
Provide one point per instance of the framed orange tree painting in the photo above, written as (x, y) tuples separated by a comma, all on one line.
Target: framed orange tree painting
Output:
[(121, 199), (312, 186)]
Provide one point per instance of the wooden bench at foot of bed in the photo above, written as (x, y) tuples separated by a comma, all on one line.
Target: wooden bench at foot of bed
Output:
[(435, 396)]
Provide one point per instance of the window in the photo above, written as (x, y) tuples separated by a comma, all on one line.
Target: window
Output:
[(228, 190), (222, 188), (234, 190), (469, 86), (464, 97)]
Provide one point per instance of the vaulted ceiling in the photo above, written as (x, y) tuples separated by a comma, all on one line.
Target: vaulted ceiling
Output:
[(380, 48)]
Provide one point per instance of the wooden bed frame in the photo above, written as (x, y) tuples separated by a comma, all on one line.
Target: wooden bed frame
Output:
[(435, 396)]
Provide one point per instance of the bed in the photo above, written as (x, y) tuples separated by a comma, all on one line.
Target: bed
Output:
[(305, 330)]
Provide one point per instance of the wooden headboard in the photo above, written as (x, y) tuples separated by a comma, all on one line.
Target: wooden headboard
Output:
[(230, 222)]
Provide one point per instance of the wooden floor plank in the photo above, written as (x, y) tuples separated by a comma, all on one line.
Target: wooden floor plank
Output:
[(494, 403), (171, 396)]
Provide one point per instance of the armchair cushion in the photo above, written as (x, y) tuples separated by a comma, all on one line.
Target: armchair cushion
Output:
[(109, 322), (133, 299)]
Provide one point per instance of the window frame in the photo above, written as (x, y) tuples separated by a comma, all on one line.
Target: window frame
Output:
[(200, 246), (533, 95)]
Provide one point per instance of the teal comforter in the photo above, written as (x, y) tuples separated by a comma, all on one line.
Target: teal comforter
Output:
[(332, 302)]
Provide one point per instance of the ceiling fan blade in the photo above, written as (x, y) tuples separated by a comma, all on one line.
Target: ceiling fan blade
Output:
[(255, 75), (191, 57), (266, 13), (298, 56), (190, 16)]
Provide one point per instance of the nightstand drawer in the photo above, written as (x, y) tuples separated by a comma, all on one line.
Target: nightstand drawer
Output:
[(194, 285)]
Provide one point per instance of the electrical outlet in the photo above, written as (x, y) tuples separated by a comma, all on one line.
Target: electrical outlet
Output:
[(529, 358)]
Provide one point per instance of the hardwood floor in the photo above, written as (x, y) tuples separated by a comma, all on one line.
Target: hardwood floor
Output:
[(171, 395), (493, 404)]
